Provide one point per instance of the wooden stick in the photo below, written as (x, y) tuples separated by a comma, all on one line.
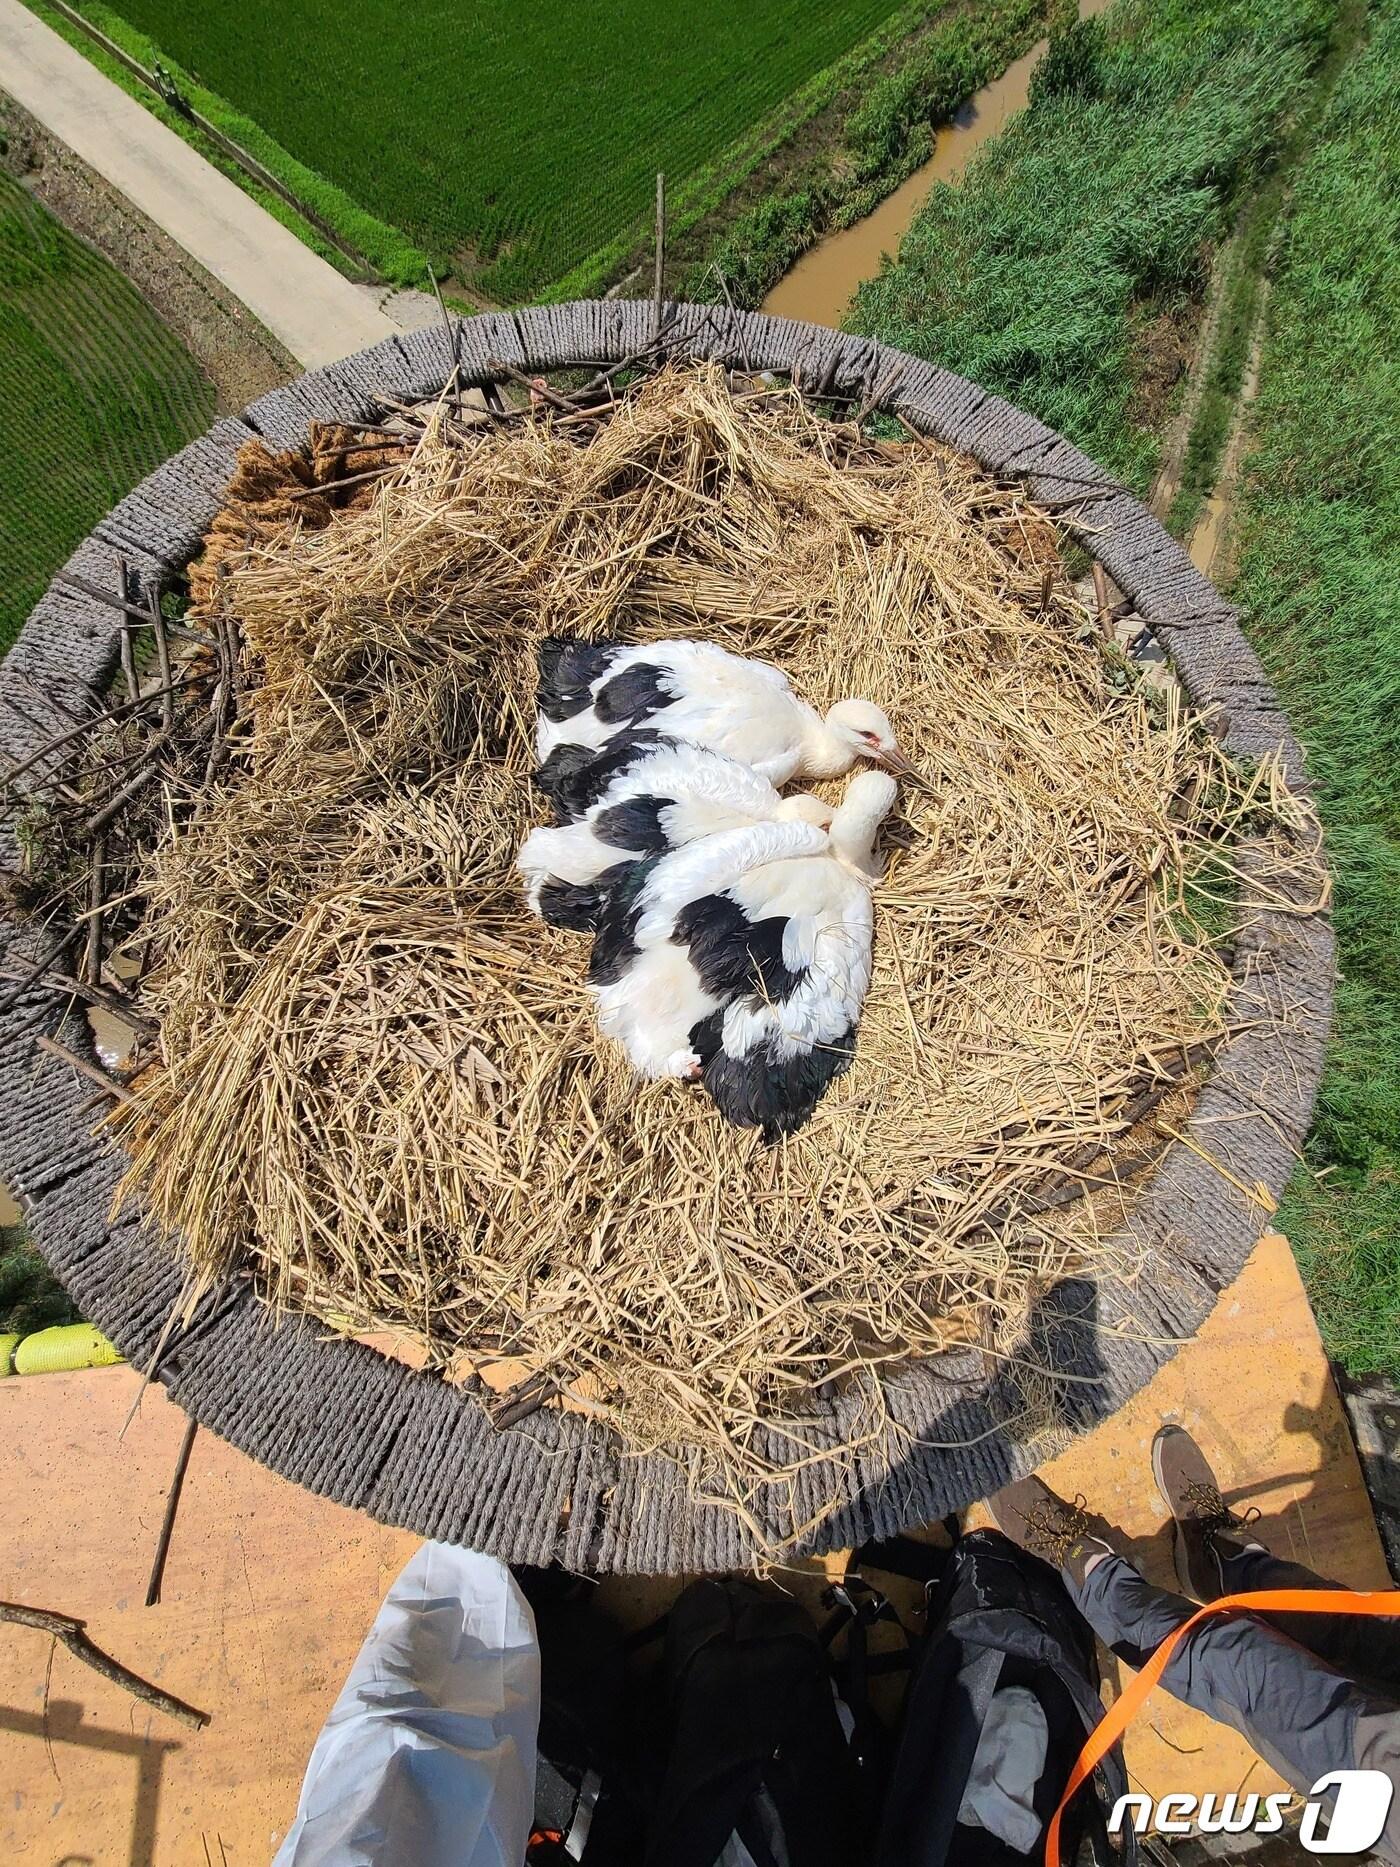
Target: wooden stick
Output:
[(658, 286), (106, 1083), (454, 335), (539, 387), (113, 718), (36, 972), (167, 695), (122, 798), (142, 616), (119, 1004), (91, 969), (73, 1633), (1105, 607), (172, 1504), (350, 479), (520, 1401)]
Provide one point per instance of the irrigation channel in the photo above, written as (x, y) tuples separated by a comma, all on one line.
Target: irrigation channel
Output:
[(822, 284)]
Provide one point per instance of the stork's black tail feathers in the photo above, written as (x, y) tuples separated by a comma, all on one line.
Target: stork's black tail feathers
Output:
[(568, 669), (777, 1094)]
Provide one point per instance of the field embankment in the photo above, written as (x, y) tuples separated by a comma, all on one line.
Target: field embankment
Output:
[(1318, 547), (1066, 270), (94, 393)]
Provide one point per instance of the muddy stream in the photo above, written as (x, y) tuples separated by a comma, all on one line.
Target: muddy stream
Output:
[(822, 284)]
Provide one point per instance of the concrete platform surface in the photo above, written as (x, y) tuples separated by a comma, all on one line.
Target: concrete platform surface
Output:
[(269, 1590)]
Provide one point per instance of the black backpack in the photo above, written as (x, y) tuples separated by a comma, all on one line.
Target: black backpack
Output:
[(755, 1745), (998, 1618)]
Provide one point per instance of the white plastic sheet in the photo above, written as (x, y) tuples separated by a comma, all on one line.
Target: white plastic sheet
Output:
[(428, 1756)]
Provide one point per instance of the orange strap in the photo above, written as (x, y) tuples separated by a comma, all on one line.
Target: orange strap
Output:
[(1120, 1714)]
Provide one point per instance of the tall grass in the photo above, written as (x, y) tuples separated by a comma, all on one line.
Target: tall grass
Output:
[(885, 131), (1098, 207), (1319, 579)]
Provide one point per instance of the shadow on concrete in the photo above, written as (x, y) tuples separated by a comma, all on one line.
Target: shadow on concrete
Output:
[(63, 1724)]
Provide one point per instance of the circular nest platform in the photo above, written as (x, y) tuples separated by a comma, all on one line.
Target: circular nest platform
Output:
[(415, 1450)]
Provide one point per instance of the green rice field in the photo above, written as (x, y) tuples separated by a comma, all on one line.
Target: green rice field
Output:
[(509, 138), (94, 393)]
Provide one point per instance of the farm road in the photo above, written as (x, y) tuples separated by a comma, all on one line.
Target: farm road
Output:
[(305, 303)]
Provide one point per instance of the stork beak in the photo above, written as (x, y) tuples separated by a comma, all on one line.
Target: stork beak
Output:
[(894, 760)]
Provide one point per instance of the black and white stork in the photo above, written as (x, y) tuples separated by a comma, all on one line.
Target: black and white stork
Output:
[(744, 959), (590, 691), (644, 795)]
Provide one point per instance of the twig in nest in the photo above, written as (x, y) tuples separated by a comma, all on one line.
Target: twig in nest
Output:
[(520, 1401), (106, 1083), (73, 1633)]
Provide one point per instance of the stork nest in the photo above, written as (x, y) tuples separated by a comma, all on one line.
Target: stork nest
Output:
[(382, 1090)]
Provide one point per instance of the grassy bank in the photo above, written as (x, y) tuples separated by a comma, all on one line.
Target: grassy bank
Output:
[(31, 1297), (94, 393), (1085, 229), (1319, 579), (875, 133)]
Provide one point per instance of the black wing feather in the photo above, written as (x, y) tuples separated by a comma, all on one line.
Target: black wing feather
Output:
[(633, 695), (777, 1094), (568, 670), (733, 955), (574, 777)]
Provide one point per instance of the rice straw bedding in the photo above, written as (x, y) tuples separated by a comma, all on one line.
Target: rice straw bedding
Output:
[(382, 1089)]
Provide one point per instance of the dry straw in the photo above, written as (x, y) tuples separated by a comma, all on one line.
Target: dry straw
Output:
[(382, 1086)]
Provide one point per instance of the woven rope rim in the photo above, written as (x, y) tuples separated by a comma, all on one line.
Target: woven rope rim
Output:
[(412, 1451)]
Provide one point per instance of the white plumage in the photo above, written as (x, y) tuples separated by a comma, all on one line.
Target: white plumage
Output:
[(589, 691), (653, 798), (746, 956)]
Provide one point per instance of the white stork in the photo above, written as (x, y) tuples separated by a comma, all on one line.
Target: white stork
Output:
[(744, 959), (644, 795), (589, 691)]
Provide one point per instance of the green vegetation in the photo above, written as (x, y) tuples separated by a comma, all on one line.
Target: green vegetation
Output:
[(390, 254), (30, 1295), (1093, 215), (886, 130), (94, 393), (1319, 579), (1242, 294), (507, 141)]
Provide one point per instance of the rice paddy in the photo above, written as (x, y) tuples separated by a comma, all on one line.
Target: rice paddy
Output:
[(506, 139), (94, 393)]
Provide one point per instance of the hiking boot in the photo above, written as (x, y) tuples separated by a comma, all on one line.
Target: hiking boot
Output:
[(1062, 1534), (1205, 1529)]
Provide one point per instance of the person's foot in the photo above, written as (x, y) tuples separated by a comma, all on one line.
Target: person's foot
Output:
[(1205, 1529), (1061, 1533)]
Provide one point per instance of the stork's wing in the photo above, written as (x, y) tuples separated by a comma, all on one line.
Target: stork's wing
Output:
[(713, 863), (569, 669)]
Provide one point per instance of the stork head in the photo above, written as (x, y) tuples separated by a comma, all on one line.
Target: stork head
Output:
[(865, 730), (804, 808), (868, 800)]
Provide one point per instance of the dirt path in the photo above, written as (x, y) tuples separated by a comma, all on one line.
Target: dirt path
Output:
[(1211, 544), (1178, 434), (305, 304)]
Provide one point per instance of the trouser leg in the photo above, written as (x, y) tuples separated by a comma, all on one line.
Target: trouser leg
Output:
[(1298, 1712), (1365, 1649)]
